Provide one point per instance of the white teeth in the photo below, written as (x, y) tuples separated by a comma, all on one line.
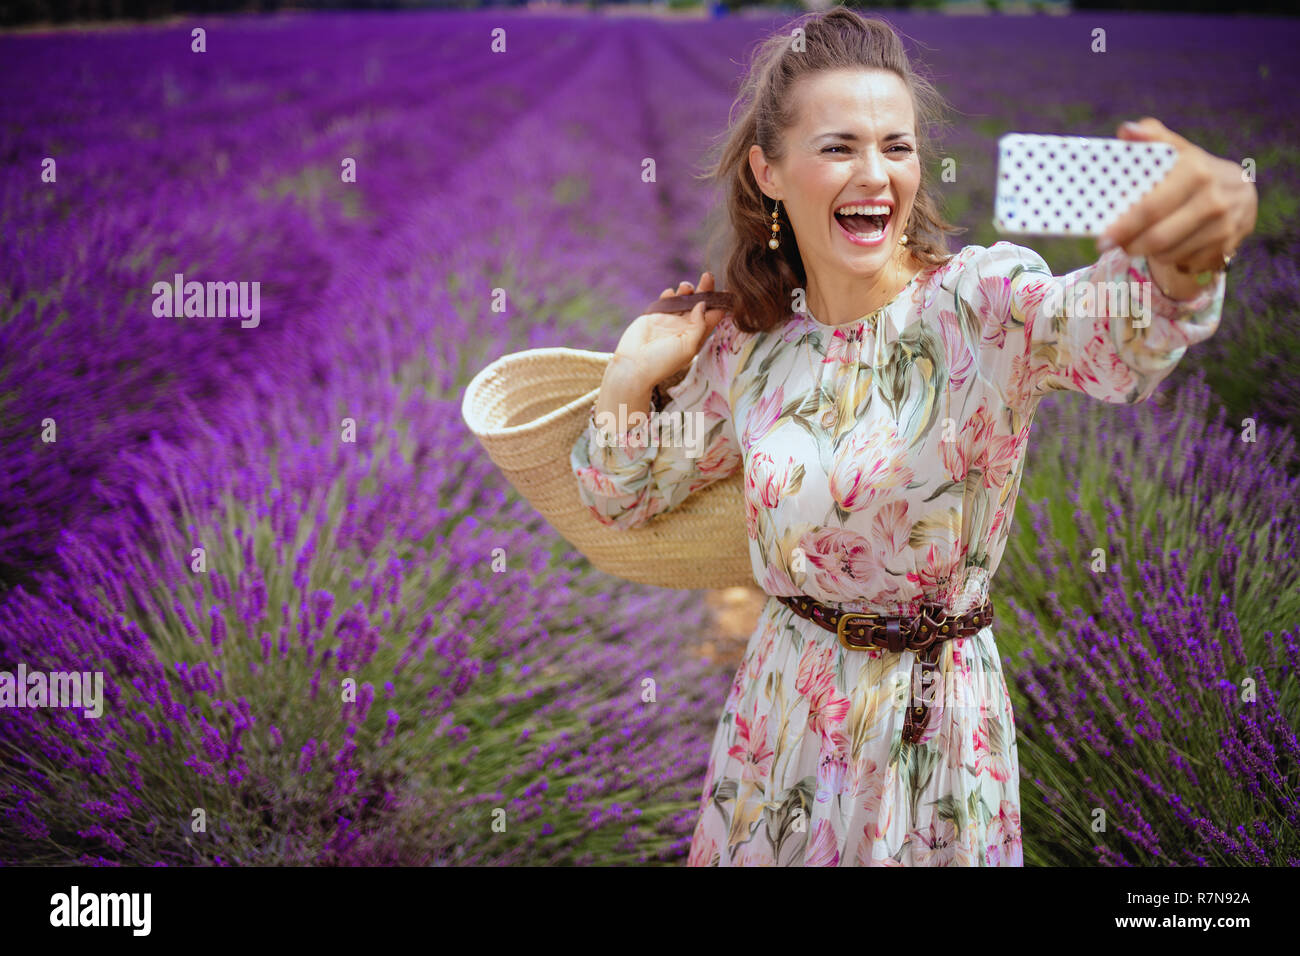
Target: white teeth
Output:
[(863, 211)]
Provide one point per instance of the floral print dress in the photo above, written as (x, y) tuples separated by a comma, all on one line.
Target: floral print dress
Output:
[(881, 460)]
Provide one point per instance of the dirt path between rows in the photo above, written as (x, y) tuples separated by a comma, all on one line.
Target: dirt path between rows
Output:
[(734, 612)]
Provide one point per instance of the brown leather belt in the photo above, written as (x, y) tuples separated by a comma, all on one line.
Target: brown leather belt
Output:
[(922, 633)]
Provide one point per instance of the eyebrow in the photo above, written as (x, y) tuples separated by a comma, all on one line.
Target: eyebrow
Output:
[(853, 137)]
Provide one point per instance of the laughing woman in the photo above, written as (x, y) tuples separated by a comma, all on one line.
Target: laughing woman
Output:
[(877, 392)]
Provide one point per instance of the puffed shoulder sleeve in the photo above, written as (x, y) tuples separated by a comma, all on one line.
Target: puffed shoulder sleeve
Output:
[(627, 480), (1105, 330)]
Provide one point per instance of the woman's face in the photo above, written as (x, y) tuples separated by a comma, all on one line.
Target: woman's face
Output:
[(854, 143)]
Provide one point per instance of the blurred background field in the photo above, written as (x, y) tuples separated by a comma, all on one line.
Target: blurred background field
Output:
[(485, 684)]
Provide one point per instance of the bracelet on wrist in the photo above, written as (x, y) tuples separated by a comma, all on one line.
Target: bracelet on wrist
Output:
[(1203, 278)]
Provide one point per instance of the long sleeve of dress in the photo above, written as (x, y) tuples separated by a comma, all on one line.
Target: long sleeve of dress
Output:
[(1105, 330), (627, 484)]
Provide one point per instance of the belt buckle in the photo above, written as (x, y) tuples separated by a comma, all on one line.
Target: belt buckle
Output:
[(933, 620), (844, 638)]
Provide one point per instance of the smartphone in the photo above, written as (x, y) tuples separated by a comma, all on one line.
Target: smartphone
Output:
[(1072, 185)]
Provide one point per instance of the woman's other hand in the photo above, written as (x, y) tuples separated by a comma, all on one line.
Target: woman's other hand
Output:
[(657, 344)]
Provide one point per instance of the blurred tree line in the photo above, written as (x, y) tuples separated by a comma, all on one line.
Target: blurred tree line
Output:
[(66, 11), (16, 12)]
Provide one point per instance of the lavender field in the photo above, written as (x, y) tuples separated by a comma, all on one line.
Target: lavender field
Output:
[(240, 522)]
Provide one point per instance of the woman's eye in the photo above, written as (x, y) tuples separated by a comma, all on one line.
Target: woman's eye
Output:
[(904, 148)]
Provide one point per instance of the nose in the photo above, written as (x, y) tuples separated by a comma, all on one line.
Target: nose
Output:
[(871, 173)]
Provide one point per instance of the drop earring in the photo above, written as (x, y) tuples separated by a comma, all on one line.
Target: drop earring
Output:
[(902, 254), (774, 242)]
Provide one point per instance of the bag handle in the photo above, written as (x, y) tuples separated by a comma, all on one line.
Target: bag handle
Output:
[(684, 303)]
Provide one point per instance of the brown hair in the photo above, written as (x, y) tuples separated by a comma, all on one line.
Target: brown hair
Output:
[(760, 279)]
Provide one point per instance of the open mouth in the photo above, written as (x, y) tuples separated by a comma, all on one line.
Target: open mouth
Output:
[(864, 226)]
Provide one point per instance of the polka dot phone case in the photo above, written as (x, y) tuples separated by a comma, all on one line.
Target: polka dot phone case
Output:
[(1072, 185)]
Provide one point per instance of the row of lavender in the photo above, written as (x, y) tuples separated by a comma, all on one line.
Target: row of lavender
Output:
[(478, 686), (374, 560), (221, 166)]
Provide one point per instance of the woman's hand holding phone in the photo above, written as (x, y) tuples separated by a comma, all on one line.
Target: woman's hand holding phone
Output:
[(1194, 218)]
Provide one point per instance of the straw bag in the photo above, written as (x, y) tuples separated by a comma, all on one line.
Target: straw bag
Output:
[(528, 409)]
